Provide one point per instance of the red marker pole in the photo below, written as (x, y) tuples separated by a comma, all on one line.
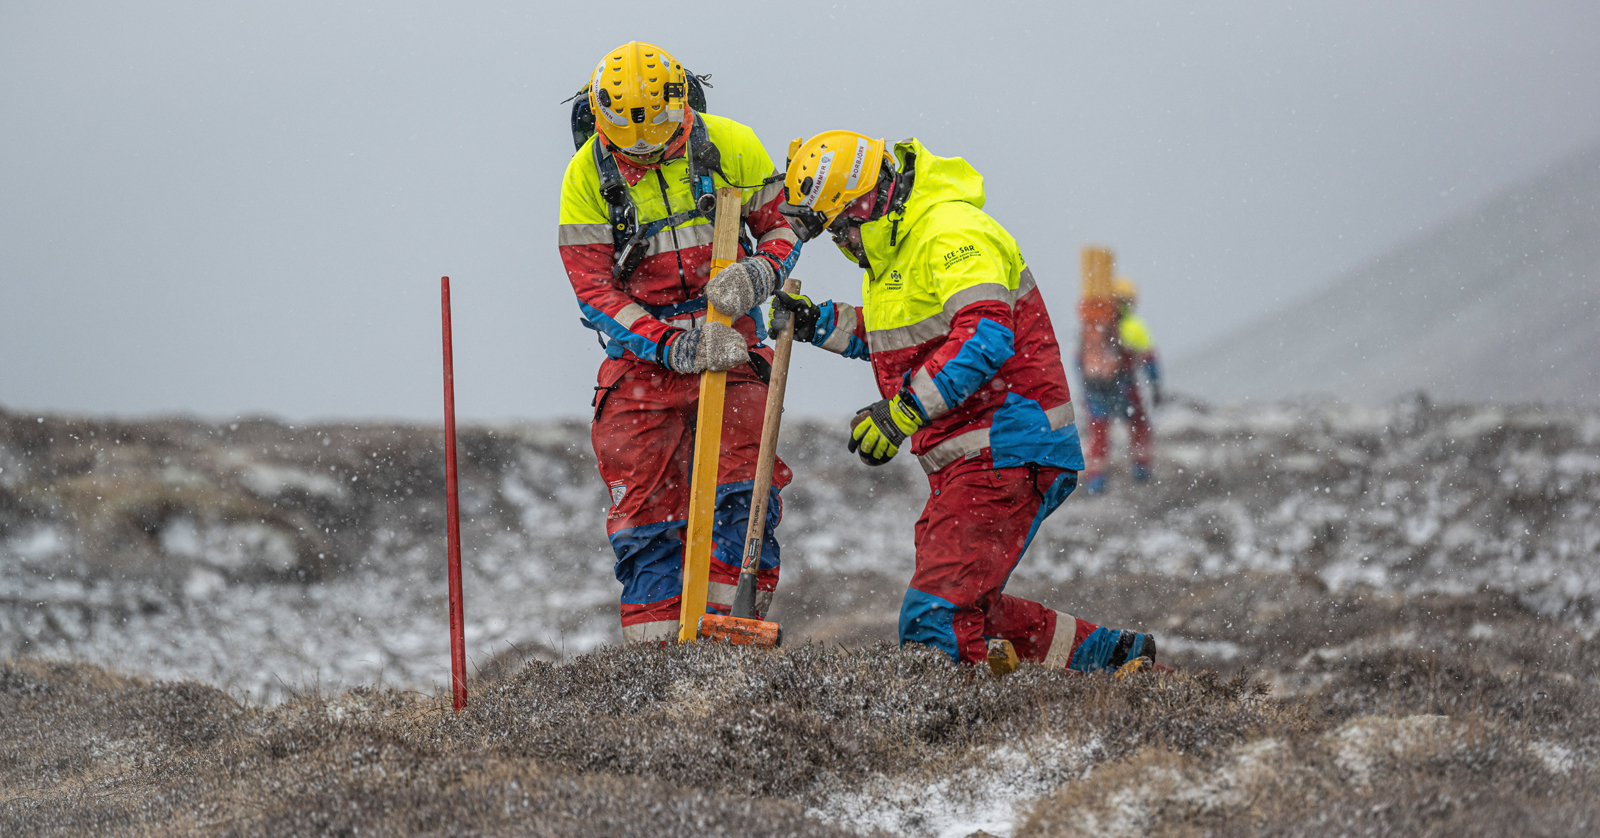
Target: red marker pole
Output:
[(458, 643)]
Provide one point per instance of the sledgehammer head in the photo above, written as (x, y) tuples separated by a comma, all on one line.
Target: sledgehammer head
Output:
[(740, 631)]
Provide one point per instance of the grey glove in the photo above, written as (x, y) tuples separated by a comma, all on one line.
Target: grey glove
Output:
[(742, 286), (709, 346)]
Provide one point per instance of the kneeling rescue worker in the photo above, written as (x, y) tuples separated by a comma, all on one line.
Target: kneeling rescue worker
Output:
[(635, 238), (970, 370)]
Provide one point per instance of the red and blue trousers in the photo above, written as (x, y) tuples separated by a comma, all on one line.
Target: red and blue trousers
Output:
[(1108, 402), (974, 529), (643, 435)]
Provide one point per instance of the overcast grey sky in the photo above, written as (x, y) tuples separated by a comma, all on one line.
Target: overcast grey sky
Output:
[(230, 208)]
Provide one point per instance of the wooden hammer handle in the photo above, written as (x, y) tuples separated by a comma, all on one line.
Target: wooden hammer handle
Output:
[(766, 460)]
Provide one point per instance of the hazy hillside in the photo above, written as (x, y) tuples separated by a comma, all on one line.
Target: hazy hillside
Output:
[(1503, 305)]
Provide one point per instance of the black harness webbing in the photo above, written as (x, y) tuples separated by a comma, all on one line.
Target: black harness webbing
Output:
[(629, 238)]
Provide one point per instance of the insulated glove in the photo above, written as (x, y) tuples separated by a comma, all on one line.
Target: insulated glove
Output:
[(805, 315), (709, 346), (742, 286), (878, 430)]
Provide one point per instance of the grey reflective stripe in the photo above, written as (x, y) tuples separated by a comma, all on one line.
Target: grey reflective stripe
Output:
[(687, 237), (980, 293), (905, 337), (650, 632), (720, 593), (927, 392), (688, 321), (1060, 653), (844, 325), (954, 449), (778, 234), (1060, 416), (1025, 283), (962, 445), (570, 234), (630, 315), (762, 196)]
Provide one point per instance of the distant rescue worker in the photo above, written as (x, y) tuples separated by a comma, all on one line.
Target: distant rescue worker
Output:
[(635, 238), (971, 374), (1114, 394)]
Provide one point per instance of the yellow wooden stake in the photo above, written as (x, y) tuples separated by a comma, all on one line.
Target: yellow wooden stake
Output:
[(708, 434)]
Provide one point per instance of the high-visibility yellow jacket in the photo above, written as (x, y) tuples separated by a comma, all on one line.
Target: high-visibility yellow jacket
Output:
[(667, 291), (951, 314)]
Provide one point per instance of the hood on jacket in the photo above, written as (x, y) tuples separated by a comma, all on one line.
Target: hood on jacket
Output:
[(937, 180)]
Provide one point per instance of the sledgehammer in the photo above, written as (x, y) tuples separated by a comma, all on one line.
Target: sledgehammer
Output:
[(742, 627)]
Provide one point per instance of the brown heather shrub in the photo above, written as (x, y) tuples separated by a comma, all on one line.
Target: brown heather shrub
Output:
[(1430, 717)]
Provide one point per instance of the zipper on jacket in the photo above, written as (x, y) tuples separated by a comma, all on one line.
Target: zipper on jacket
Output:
[(683, 282)]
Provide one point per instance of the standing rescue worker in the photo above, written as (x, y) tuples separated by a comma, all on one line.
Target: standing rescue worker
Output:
[(1116, 395), (964, 354), (635, 237)]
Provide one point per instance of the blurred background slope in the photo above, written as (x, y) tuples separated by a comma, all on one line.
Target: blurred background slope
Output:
[(1502, 304)]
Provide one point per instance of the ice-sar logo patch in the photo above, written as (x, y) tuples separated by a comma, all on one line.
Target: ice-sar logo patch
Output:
[(960, 254), (895, 281), (617, 492)]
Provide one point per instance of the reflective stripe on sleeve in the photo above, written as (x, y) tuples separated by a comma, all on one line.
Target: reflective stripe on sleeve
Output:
[(928, 394), (630, 315), (937, 326), (778, 234), (761, 197), (954, 449), (686, 237), (844, 325), (1025, 283), (571, 234), (962, 445), (1060, 653)]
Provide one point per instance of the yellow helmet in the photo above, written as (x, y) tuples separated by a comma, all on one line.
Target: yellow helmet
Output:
[(824, 175), (637, 95), (1124, 291)]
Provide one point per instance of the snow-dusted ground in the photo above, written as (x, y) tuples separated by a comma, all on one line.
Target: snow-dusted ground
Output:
[(264, 556)]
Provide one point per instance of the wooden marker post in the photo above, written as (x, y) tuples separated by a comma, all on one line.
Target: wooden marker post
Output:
[(708, 434), (452, 506)]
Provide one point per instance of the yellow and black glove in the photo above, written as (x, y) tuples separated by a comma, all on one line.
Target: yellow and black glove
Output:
[(879, 429), (798, 306)]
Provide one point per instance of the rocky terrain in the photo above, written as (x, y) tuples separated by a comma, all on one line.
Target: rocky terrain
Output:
[(1384, 620)]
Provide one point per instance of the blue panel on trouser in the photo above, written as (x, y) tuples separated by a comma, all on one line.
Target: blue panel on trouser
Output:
[(929, 620), (981, 356), (1094, 653), (1059, 490), (1020, 434), (649, 562), (1106, 399), (732, 521)]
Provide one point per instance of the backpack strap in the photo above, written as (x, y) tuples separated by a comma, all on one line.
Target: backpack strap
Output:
[(629, 239)]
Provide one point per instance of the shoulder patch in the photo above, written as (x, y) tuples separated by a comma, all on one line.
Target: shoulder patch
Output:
[(961, 254)]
